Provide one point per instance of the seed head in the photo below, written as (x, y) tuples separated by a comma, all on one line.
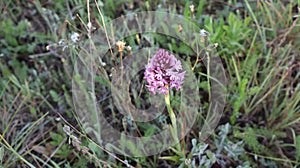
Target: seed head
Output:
[(120, 45)]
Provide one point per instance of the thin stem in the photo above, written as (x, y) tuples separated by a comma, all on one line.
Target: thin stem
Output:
[(173, 121), (236, 71), (90, 140), (7, 145), (122, 68), (208, 74), (105, 30), (171, 113), (89, 19)]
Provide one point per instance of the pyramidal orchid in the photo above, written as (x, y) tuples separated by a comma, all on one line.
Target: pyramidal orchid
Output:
[(163, 72)]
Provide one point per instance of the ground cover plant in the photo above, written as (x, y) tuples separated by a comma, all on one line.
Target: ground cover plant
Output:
[(44, 50)]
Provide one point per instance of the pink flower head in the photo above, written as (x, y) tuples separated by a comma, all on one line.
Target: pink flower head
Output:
[(163, 72)]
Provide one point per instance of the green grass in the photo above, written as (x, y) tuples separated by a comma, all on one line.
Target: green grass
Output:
[(258, 43)]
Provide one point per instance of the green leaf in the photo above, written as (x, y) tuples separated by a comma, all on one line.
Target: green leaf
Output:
[(211, 156), (64, 152), (254, 90), (200, 8), (187, 11), (15, 81), (57, 138), (298, 147), (243, 87), (33, 111), (150, 131), (102, 81), (54, 95)]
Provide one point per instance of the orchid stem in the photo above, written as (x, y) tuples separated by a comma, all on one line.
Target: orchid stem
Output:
[(173, 121)]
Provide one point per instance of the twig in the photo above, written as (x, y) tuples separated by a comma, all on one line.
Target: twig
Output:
[(40, 55), (101, 147)]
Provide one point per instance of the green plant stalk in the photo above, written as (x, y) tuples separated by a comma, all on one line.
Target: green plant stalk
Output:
[(261, 33), (24, 135), (14, 114), (173, 121), (236, 71), (7, 145), (208, 77)]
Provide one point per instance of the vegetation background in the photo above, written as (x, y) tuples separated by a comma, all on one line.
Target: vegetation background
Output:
[(258, 42)]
